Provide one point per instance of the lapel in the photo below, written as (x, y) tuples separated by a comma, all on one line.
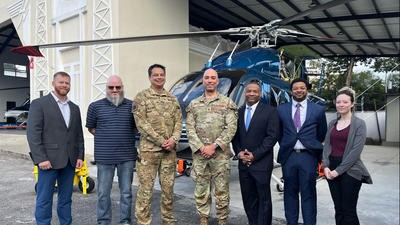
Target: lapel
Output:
[(308, 114), (57, 109), (289, 116), (71, 113)]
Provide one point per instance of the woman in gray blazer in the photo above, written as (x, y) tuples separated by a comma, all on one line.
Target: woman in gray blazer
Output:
[(341, 160)]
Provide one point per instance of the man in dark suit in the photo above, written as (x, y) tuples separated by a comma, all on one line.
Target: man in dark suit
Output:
[(56, 144), (303, 130), (257, 133)]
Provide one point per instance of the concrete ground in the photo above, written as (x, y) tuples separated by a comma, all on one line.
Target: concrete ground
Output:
[(378, 203)]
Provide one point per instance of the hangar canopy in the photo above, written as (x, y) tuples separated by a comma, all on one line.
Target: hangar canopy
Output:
[(371, 22)]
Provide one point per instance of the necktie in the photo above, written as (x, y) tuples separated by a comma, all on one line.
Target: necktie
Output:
[(296, 118), (248, 118)]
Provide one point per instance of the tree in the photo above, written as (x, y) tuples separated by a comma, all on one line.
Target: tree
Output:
[(384, 64), (367, 95), (345, 65)]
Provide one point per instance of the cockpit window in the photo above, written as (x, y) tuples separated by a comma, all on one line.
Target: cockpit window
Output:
[(194, 93), (223, 88), (183, 84), (181, 88)]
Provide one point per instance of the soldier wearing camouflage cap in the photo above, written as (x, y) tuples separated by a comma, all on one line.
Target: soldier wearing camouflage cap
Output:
[(159, 120), (211, 125)]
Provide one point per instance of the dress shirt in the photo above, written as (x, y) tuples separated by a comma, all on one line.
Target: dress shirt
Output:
[(253, 109), (303, 113), (64, 108)]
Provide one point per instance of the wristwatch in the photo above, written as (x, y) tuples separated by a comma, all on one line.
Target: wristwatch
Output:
[(216, 145)]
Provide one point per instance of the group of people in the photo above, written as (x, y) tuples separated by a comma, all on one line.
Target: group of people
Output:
[(213, 121)]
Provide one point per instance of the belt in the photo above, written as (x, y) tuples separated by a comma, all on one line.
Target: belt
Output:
[(299, 150)]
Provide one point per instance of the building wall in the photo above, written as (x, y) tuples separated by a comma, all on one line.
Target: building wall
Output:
[(144, 17), (372, 120), (49, 21), (393, 120), (4, 15)]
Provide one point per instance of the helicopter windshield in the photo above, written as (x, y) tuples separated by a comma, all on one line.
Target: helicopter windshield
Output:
[(181, 86), (223, 88), (190, 86)]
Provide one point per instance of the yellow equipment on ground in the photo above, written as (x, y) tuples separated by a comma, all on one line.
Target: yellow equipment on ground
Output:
[(81, 179)]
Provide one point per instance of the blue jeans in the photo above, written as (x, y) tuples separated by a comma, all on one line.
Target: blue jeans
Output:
[(105, 175), (45, 189)]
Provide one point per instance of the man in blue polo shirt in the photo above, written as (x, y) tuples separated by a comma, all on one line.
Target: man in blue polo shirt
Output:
[(111, 122)]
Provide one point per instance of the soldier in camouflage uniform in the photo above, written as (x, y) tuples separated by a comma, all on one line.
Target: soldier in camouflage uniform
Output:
[(159, 120), (211, 125)]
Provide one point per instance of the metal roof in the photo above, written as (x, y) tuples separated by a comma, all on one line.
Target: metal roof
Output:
[(371, 22), (8, 37)]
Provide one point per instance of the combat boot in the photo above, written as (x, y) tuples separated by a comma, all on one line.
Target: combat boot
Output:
[(222, 222), (203, 220)]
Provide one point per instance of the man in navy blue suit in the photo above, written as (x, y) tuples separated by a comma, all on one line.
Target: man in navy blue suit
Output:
[(257, 133), (303, 128)]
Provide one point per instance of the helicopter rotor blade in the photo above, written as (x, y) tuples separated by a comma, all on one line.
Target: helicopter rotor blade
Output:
[(307, 12), (34, 49), (329, 40), (274, 25)]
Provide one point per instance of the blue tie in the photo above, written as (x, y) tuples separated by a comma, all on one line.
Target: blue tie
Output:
[(248, 118)]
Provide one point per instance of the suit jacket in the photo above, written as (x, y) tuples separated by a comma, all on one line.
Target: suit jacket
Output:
[(311, 133), (48, 136), (260, 138), (351, 160)]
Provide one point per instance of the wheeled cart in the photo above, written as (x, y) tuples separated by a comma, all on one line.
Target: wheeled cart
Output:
[(81, 179)]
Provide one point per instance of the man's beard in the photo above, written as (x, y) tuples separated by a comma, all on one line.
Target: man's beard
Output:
[(61, 91), (115, 100)]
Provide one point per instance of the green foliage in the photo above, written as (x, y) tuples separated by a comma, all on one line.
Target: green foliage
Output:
[(383, 64), (360, 82), (336, 72), (340, 64)]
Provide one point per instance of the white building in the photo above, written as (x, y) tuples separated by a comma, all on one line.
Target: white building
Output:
[(49, 21)]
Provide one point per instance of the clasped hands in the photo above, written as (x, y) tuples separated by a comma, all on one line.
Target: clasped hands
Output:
[(168, 144), (330, 174), (208, 151), (246, 157)]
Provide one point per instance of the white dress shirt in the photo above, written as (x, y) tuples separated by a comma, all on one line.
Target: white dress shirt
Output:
[(64, 108), (253, 109)]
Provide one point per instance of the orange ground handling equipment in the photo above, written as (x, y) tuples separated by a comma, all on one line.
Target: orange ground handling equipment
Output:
[(81, 179), (183, 167)]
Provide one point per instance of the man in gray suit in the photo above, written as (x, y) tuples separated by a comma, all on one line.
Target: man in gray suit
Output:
[(56, 144)]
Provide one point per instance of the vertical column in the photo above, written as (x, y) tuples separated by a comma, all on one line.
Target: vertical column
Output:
[(102, 66), (41, 71)]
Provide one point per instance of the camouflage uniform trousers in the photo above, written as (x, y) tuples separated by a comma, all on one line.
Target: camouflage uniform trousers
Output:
[(151, 163), (211, 173)]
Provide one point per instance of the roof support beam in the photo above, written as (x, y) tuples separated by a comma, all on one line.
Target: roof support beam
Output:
[(294, 7), (297, 27), (347, 18)]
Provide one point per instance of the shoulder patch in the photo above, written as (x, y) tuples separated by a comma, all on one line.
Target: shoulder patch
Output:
[(134, 107)]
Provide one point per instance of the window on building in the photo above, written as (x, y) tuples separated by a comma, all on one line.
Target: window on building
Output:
[(13, 70)]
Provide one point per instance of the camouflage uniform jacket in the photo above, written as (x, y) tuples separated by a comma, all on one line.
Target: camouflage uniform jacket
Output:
[(211, 121), (158, 117)]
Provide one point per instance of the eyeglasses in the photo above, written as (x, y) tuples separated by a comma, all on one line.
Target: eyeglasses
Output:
[(116, 87)]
